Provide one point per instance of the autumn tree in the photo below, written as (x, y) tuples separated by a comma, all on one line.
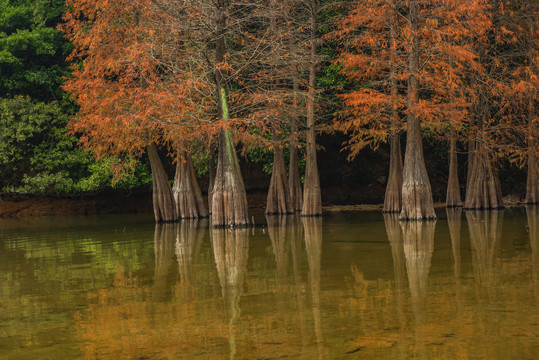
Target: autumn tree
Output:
[(372, 56), (133, 92)]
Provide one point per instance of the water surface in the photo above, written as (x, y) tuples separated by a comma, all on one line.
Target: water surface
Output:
[(345, 286)]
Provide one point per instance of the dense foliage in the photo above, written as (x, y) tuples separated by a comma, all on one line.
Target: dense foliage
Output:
[(37, 154)]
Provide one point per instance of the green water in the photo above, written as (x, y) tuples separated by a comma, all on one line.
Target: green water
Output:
[(346, 286)]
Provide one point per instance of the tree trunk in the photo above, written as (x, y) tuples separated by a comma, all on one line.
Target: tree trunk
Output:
[(312, 198), (393, 196), (296, 195), (278, 201), (453, 186), (416, 191), (212, 179), (484, 191), (164, 208), (187, 194), (229, 201), (532, 183)]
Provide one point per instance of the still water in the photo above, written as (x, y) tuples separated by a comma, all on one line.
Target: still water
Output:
[(348, 285)]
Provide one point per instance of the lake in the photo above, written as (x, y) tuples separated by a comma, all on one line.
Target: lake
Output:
[(346, 286)]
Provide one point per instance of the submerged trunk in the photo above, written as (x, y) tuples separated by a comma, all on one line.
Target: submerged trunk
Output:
[(453, 186), (187, 194), (229, 201), (296, 195), (393, 196), (312, 198), (164, 208), (416, 191), (278, 201), (484, 191)]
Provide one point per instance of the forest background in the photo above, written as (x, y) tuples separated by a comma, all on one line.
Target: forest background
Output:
[(41, 156)]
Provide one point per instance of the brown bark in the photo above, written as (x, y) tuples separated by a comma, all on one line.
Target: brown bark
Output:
[(453, 186), (164, 257), (484, 190), (532, 182), (393, 195), (416, 191), (278, 200), (164, 208), (296, 194), (212, 180), (187, 194), (312, 198), (485, 231), (229, 200)]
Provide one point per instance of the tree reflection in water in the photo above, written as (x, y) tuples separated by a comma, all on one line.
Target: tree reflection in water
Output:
[(231, 252), (418, 247), (164, 257), (394, 236), (189, 237), (279, 234), (485, 232), (313, 242), (532, 213)]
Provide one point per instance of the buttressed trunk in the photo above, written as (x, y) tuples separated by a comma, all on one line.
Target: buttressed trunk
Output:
[(229, 201), (416, 191), (278, 201), (296, 194), (393, 196), (187, 194), (483, 191), (312, 198), (164, 208), (453, 186)]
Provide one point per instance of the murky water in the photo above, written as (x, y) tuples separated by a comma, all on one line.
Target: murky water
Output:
[(350, 285)]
